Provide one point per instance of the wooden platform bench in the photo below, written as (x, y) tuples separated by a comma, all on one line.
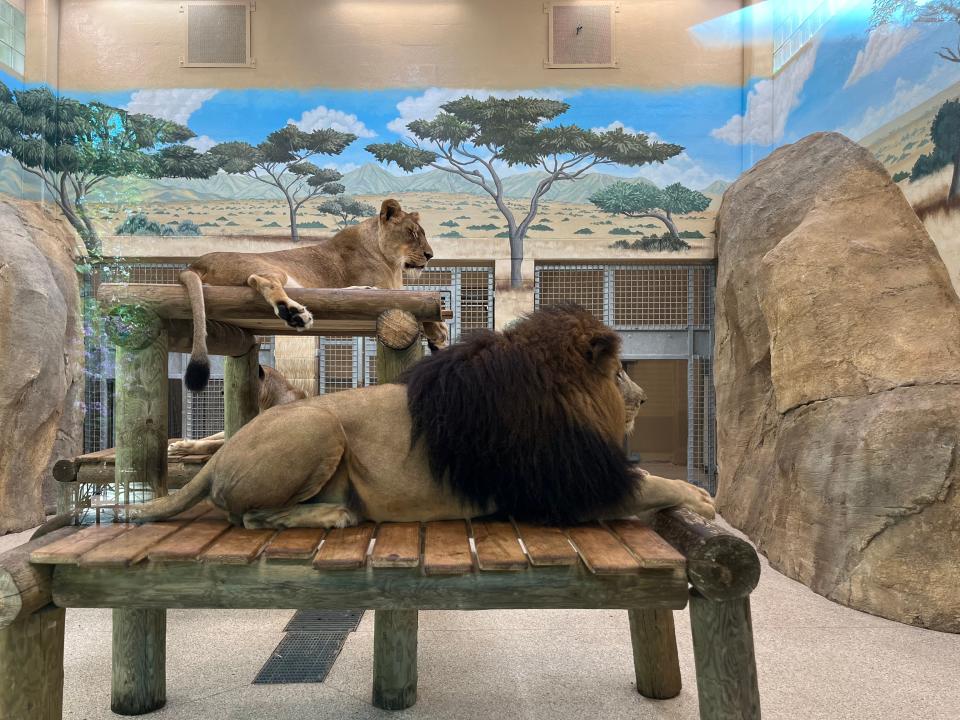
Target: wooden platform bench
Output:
[(198, 560)]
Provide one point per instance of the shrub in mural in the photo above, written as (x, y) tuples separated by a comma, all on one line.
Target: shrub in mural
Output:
[(945, 133), (284, 160), (644, 200), (72, 147), (346, 209), (474, 139)]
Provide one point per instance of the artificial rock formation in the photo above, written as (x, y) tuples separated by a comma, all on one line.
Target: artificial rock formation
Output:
[(838, 383), (41, 354)]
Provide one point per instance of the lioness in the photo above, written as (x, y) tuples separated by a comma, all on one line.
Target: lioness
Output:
[(373, 253), (527, 423), (274, 389)]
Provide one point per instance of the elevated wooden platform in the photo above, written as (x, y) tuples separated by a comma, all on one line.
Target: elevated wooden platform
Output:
[(335, 311)]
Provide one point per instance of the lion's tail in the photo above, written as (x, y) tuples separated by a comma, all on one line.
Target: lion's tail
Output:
[(169, 505), (198, 369)]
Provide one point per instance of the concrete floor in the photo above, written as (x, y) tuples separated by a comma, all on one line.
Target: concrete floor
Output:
[(816, 660)]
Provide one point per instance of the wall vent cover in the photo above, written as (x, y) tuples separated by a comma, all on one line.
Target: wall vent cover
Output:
[(581, 34), (217, 34)]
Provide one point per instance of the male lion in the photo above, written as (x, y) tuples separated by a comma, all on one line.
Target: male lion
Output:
[(273, 389), (527, 423), (373, 253)]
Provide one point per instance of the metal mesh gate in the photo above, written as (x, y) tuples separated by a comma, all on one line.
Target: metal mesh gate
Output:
[(346, 363), (662, 312)]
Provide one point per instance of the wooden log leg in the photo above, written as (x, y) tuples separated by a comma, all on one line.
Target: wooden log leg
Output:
[(395, 659), (240, 390), (139, 661), (31, 667), (655, 658), (398, 344), (723, 651)]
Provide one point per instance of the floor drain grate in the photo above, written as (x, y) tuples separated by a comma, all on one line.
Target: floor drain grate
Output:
[(324, 621), (302, 657)]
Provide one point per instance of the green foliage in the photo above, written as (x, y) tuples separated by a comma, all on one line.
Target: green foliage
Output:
[(945, 133), (653, 243), (624, 231), (139, 224), (584, 231), (693, 234), (902, 175), (312, 225), (488, 226), (347, 209), (681, 200), (504, 234), (450, 223), (450, 234), (624, 198), (541, 226)]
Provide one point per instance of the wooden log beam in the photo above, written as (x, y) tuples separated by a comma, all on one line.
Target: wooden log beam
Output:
[(231, 304), (72, 471), (222, 338), (655, 660), (720, 566), (299, 586), (241, 390), (724, 656), (31, 667), (395, 659), (25, 588)]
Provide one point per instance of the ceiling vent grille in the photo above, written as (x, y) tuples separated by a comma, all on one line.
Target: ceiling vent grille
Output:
[(217, 34), (581, 35)]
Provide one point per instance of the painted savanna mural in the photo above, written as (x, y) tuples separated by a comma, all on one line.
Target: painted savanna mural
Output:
[(605, 172)]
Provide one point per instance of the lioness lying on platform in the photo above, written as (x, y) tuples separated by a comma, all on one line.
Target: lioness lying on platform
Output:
[(273, 389), (373, 253), (527, 423)]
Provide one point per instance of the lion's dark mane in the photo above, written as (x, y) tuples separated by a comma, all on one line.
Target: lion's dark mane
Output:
[(497, 414)]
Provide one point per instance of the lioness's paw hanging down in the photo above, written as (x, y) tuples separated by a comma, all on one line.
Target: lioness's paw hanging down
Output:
[(437, 334), (181, 448), (294, 314)]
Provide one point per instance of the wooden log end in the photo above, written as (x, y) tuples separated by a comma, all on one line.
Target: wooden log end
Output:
[(66, 470), (397, 329)]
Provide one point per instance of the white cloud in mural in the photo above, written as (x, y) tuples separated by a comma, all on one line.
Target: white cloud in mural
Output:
[(883, 44), (202, 142), (906, 95), (324, 117), (769, 104), (176, 105), (427, 105), (617, 125)]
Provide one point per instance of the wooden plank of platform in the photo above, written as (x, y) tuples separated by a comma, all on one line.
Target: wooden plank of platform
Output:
[(446, 548), (130, 547), (344, 548), (497, 546), (70, 549), (294, 544), (651, 550), (397, 545), (546, 546), (601, 550), (237, 546), (189, 543)]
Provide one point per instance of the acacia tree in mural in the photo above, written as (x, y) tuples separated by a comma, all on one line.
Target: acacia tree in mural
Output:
[(945, 133), (643, 200), (475, 138), (908, 11), (73, 147), (348, 210), (283, 161)]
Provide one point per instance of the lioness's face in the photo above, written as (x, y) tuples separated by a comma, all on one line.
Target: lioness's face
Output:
[(633, 397), (402, 238)]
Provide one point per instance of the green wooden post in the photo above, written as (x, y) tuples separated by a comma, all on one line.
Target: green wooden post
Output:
[(139, 635), (655, 658), (723, 652), (395, 631), (31, 671), (241, 390)]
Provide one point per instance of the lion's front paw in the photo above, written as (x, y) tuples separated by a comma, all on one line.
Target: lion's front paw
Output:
[(699, 501), (295, 315)]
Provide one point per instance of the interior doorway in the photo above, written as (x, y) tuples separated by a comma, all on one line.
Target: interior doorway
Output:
[(659, 437)]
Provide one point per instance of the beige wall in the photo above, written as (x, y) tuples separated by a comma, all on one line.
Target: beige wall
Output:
[(42, 41), (126, 44)]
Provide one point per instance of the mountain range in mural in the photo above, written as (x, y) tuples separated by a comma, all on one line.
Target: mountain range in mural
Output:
[(368, 180)]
